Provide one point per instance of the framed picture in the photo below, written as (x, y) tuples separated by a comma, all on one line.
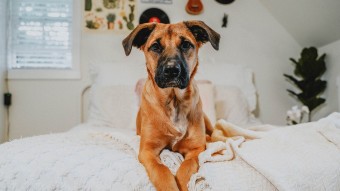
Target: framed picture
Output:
[(110, 15)]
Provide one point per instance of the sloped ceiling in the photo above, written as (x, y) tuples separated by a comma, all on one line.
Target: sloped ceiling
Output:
[(310, 22)]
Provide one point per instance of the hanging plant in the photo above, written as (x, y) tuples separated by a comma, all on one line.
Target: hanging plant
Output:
[(308, 71)]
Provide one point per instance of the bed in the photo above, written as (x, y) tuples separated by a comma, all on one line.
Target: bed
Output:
[(101, 153)]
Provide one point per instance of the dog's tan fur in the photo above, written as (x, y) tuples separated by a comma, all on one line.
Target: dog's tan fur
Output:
[(171, 117)]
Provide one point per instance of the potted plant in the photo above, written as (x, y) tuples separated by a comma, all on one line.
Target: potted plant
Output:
[(110, 21), (308, 71)]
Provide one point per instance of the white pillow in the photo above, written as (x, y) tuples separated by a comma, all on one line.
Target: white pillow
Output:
[(224, 74), (113, 106), (231, 105), (113, 102), (206, 90)]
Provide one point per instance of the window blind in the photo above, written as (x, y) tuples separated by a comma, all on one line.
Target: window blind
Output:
[(41, 34)]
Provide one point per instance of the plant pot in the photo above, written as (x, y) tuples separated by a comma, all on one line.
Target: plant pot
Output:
[(110, 25)]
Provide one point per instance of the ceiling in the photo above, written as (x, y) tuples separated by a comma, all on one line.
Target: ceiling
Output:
[(310, 22)]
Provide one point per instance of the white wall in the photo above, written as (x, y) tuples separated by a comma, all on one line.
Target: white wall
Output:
[(332, 51), (253, 38), (311, 22), (2, 67)]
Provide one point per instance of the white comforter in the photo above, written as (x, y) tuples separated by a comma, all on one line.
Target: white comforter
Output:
[(303, 157), (86, 158)]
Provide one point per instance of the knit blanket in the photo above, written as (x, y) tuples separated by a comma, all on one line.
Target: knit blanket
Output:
[(300, 157), (85, 158)]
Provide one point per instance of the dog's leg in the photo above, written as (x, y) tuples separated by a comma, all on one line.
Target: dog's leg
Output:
[(159, 174), (138, 122), (188, 168), (208, 126)]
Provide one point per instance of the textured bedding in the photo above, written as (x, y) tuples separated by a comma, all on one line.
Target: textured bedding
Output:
[(300, 157), (304, 157), (86, 158), (99, 158)]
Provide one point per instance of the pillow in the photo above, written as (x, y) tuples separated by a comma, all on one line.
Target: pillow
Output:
[(225, 74), (231, 105), (113, 102), (206, 90), (113, 106)]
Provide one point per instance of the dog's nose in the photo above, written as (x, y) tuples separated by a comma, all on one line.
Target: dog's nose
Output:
[(172, 70)]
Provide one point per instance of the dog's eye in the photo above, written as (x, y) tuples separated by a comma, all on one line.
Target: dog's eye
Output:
[(186, 45), (156, 47)]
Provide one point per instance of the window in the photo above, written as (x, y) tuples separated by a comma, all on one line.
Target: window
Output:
[(43, 42)]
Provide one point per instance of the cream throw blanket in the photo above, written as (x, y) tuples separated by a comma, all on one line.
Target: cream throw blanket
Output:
[(300, 157)]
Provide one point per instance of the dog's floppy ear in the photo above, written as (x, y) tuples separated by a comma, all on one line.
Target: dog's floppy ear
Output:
[(203, 33), (138, 36)]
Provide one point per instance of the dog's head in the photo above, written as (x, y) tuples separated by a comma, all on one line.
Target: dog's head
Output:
[(171, 49)]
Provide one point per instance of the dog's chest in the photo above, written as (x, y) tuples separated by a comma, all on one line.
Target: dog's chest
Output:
[(178, 117), (179, 121)]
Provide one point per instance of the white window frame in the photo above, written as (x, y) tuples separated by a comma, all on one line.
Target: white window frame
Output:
[(40, 74)]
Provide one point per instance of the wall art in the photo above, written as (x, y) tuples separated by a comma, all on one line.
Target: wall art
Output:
[(110, 15)]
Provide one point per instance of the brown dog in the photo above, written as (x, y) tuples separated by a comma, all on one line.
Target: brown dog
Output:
[(170, 114)]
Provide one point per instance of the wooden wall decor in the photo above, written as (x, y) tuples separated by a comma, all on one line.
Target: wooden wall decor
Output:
[(194, 7)]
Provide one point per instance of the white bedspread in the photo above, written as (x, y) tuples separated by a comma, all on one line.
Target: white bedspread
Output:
[(302, 157), (86, 158)]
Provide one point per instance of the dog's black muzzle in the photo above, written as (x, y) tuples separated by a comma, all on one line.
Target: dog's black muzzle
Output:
[(172, 72)]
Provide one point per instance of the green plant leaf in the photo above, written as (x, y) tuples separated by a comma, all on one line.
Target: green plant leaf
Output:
[(293, 93), (309, 54), (294, 61), (314, 88), (291, 78), (313, 103)]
